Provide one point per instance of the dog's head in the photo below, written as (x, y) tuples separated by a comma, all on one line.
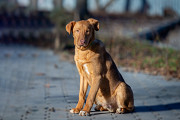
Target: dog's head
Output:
[(83, 32)]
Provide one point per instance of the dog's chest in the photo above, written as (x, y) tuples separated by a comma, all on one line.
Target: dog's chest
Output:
[(83, 64), (85, 68), (86, 72)]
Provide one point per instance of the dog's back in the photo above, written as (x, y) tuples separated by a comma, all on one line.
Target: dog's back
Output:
[(109, 70)]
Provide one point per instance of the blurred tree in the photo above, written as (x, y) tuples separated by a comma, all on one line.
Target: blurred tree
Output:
[(58, 3), (34, 4), (59, 18), (81, 11), (127, 6), (101, 8), (144, 6)]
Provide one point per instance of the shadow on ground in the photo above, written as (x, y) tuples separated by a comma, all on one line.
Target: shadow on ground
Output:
[(155, 108)]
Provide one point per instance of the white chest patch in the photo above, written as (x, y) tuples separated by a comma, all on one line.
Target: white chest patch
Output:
[(86, 68)]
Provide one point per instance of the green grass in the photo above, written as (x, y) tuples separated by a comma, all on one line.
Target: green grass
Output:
[(143, 56)]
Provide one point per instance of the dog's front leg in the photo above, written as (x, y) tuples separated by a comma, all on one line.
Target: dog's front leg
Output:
[(82, 94), (91, 97)]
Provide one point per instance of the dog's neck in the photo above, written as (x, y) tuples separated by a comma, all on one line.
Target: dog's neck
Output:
[(81, 55)]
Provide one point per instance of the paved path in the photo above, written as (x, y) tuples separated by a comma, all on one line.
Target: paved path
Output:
[(36, 85)]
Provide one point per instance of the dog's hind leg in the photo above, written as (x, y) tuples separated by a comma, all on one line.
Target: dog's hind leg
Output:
[(99, 108), (124, 99)]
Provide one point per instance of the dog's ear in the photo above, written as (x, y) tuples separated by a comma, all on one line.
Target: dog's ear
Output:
[(69, 26), (94, 23)]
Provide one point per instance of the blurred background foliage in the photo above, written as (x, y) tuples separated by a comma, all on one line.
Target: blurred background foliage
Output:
[(141, 35)]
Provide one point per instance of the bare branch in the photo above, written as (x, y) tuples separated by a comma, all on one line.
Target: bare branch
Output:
[(108, 4), (97, 5), (104, 7)]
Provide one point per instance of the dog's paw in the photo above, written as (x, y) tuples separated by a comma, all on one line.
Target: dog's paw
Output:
[(120, 111), (84, 113), (74, 110), (97, 108)]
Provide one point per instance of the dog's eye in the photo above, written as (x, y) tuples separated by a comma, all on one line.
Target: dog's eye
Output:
[(87, 31), (77, 31)]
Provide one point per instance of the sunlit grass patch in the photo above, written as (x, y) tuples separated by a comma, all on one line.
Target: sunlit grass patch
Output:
[(143, 56)]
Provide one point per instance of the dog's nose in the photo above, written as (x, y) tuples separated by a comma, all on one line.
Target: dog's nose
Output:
[(82, 42)]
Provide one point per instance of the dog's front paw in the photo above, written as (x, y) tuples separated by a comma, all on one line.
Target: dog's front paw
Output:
[(74, 110), (120, 111), (84, 113)]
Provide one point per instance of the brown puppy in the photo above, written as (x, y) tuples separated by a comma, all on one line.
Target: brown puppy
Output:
[(97, 69)]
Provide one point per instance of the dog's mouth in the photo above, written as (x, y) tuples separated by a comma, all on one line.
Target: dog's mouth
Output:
[(84, 46)]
